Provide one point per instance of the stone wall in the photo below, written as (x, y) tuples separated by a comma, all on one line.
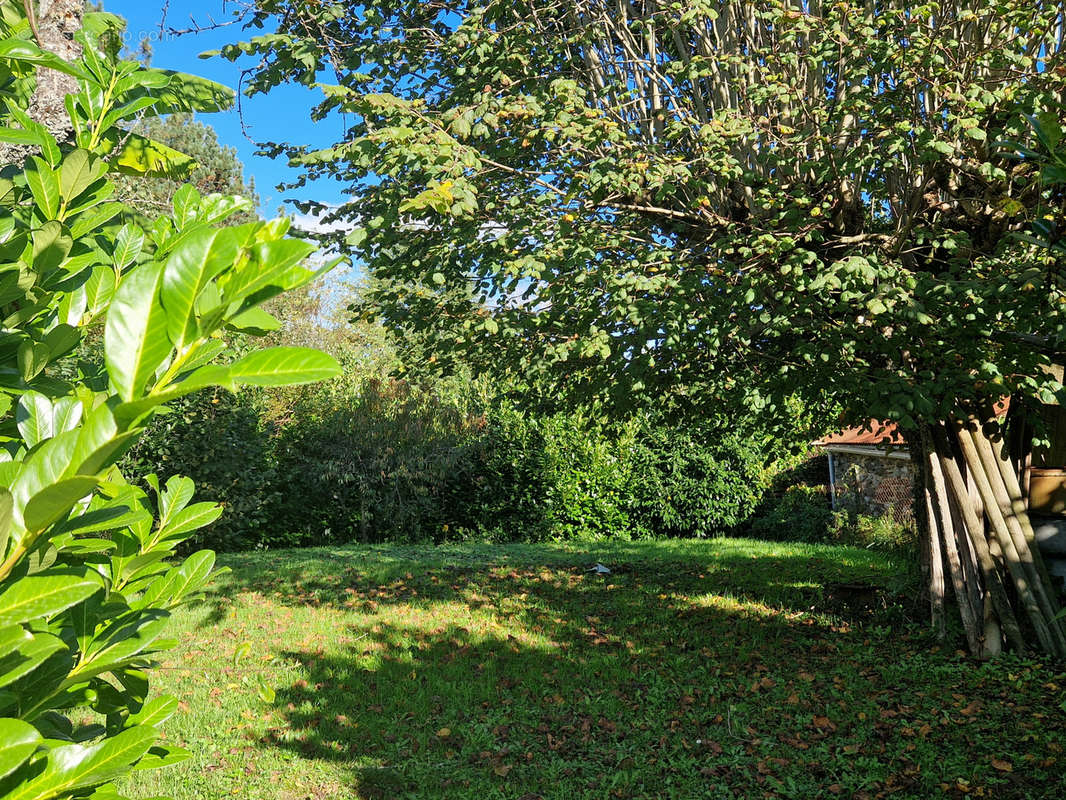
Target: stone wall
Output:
[(875, 484)]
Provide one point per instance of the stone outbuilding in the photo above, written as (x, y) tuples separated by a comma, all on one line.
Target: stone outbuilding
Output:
[(871, 472)]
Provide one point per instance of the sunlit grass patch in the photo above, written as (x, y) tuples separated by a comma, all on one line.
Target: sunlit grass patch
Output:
[(695, 669)]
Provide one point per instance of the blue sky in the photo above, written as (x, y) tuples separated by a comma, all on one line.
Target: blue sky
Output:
[(281, 116)]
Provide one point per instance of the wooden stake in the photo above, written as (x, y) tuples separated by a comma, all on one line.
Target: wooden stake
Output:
[(993, 580), (1021, 511), (1017, 520), (932, 546), (1022, 574), (974, 629)]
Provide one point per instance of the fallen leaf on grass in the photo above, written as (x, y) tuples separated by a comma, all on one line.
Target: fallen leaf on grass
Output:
[(502, 770), (1001, 765), (971, 708), (444, 733)]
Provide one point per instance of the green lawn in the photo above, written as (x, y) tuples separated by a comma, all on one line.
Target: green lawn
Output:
[(713, 669)]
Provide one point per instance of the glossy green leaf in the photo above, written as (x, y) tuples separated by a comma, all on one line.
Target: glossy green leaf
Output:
[(159, 757), (255, 322), (193, 574), (77, 766), (200, 257), (33, 651), (284, 366), (18, 136), (78, 171), (42, 596), (38, 418), (174, 497), (184, 93), (143, 157), (125, 639), (155, 712), (18, 741), (34, 417), (51, 246), (28, 52), (54, 502), (32, 358), (128, 245), (43, 467), (192, 518), (6, 517), (186, 202), (44, 185), (135, 338), (277, 266), (99, 289)]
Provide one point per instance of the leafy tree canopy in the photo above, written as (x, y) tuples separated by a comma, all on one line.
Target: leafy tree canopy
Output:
[(714, 202)]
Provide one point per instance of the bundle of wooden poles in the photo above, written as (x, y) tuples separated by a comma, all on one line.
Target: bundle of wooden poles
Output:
[(980, 538)]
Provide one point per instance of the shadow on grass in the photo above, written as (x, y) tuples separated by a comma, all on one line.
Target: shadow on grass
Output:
[(732, 675), (592, 691), (816, 579)]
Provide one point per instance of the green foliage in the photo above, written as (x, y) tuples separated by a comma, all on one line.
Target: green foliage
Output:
[(217, 170), (216, 436), (875, 532), (87, 585), (591, 479), (688, 481), (797, 508), (1047, 153), (373, 459), (799, 514), (697, 206)]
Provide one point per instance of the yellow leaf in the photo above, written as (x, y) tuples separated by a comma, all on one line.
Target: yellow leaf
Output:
[(140, 156), (444, 733)]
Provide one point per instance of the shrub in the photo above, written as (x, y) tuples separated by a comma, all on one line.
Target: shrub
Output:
[(692, 482), (372, 459), (369, 458), (878, 532), (86, 583), (502, 487), (799, 514), (217, 436)]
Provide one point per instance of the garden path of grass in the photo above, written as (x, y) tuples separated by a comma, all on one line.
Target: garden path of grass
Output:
[(721, 669)]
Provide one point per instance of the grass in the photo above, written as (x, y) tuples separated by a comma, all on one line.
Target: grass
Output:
[(720, 669)]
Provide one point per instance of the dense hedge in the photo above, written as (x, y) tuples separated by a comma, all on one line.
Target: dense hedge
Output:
[(376, 460)]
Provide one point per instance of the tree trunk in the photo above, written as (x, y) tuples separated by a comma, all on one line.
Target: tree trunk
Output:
[(54, 23)]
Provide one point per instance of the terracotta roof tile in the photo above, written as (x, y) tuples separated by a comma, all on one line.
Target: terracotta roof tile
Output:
[(876, 432)]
